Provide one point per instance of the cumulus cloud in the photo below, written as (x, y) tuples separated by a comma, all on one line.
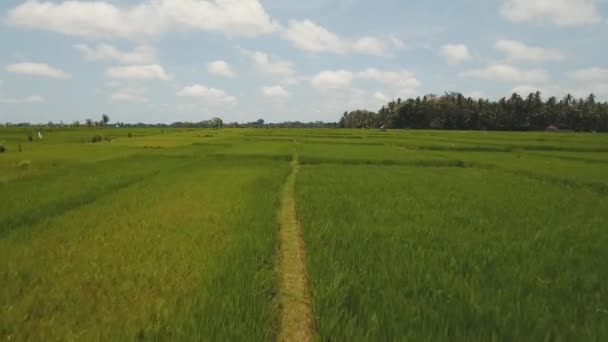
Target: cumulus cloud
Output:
[(456, 53), (275, 92), (478, 94), (103, 19), (211, 96), (397, 43), (221, 68), (331, 80), (558, 12), (381, 96), (507, 73), (22, 100), (150, 72), (370, 46), (593, 74), (273, 66), (600, 89), (136, 95), (590, 80), (37, 69), (398, 82), (104, 52), (545, 89), (309, 36), (518, 51), (401, 80)]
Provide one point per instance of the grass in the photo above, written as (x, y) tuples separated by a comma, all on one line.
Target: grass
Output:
[(173, 234), (452, 254), (154, 247)]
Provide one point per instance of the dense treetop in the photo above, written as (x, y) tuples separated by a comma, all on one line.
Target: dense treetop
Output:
[(455, 111)]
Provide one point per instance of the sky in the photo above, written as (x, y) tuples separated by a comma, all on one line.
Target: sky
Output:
[(161, 61)]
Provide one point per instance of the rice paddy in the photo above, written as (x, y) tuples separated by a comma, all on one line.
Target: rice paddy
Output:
[(180, 234)]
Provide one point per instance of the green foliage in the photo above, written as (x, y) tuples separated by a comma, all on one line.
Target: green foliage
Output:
[(217, 123), (455, 111), (410, 235), (105, 119), (452, 254)]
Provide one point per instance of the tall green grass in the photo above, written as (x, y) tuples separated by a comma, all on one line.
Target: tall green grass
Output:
[(452, 254), (177, 245), (411, 235)]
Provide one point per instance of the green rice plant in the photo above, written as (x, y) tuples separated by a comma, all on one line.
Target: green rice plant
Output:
[(406, 253), (184, 253), (410, 235)]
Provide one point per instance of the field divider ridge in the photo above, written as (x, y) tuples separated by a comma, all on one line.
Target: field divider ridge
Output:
[(296, 322)]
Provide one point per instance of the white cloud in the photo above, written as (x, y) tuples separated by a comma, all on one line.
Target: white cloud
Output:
[(398, 82), (381, 96), (599, 89), (221, 68), (546, 90), (593, 74), (397, 43), (275, 92), (309, 36), (129, 95), (478, 94), (330, 80), (401, 81), (361, 99), (149, 18), (24, 100), (150, 72), (525, 89), (37, 69), (370, 46), (558, 12), (518, 51), (104, 52), (507, 73), (273, 66), (211, 95), (233, 17), (591, 80), (456, 53)]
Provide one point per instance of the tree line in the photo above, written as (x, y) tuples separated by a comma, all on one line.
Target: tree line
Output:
[(450, 111), (215, 122), (455, 111)]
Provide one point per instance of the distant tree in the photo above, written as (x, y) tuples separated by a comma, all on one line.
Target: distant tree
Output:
[(455, 111), (260, 122), (217, 123), (89, 122), (76, 124), (105, 119)]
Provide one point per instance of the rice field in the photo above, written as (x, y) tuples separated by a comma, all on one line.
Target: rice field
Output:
[(176, 234)]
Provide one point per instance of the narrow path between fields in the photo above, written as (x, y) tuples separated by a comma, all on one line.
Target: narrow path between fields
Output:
[(296, 320)]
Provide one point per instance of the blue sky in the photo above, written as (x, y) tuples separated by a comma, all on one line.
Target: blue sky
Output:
[(189, 60)]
